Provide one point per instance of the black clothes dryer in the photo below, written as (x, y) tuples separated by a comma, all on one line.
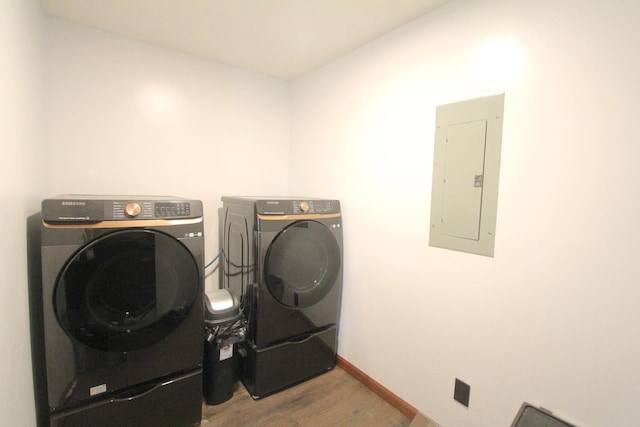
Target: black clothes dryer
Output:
[(283, 259), (116, 288)]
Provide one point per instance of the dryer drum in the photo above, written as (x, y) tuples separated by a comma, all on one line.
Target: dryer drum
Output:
[(126, 290), (302, 264)]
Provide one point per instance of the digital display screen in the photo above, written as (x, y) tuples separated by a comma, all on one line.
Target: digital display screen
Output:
[(172, 209)]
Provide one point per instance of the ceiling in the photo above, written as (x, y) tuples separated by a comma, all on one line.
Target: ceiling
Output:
[(282, 38)]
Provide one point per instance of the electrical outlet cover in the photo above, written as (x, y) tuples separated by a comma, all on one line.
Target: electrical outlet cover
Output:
[(461, 392)]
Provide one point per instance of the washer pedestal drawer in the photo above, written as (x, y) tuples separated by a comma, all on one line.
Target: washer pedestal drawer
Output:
[(175, 402), (273, 368)]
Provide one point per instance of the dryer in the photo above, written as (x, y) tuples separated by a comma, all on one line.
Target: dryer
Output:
[(116, 286), (283, 259)]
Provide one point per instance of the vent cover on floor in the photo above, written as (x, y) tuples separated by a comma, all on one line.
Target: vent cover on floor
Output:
[(530, 416)]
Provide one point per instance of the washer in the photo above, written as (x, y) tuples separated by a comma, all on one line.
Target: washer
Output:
[(116, 286), (283, 259)]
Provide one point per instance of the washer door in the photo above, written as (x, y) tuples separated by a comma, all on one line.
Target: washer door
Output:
[(302, 264), (126, 290)]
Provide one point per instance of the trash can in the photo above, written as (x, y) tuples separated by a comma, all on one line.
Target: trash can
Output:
[(224, 327)]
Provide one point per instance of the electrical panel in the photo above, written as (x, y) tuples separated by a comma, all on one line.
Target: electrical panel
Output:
[(464, 197)]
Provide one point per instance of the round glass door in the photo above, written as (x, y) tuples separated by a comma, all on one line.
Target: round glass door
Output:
[(302, 264), (126, 290)]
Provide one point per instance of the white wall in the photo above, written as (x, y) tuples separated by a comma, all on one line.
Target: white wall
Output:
[(126, 117), (550, 319), (553, 317), (22, 184)]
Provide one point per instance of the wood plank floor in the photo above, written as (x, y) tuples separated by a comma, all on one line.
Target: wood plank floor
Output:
[(331, 399)]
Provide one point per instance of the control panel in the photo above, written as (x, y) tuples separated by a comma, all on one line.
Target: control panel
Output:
[(149, 209), (297, 207), (77, 209)]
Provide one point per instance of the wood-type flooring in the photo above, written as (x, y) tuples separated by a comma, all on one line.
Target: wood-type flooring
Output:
[(332, 399)]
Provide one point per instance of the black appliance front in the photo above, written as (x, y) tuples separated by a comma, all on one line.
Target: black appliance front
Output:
[(116, 306), (283, 258), (300, 277)]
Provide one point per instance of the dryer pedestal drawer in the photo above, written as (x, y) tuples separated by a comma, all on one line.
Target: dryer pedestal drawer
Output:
[(270, 369), (176, 402)]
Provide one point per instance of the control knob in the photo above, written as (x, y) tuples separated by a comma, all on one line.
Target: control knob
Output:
[(132, 210), (304, 206)]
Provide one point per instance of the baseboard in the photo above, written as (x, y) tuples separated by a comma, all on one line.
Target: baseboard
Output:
[(421, 420), (386, 394)]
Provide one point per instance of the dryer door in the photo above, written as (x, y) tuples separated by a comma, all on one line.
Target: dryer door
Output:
[(302, 264), (126, 290)]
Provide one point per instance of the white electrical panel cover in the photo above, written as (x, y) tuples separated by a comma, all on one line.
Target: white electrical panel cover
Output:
[(464, 197)]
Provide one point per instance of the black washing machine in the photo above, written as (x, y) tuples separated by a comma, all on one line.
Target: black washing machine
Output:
[(283, 259), (116, 287)]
